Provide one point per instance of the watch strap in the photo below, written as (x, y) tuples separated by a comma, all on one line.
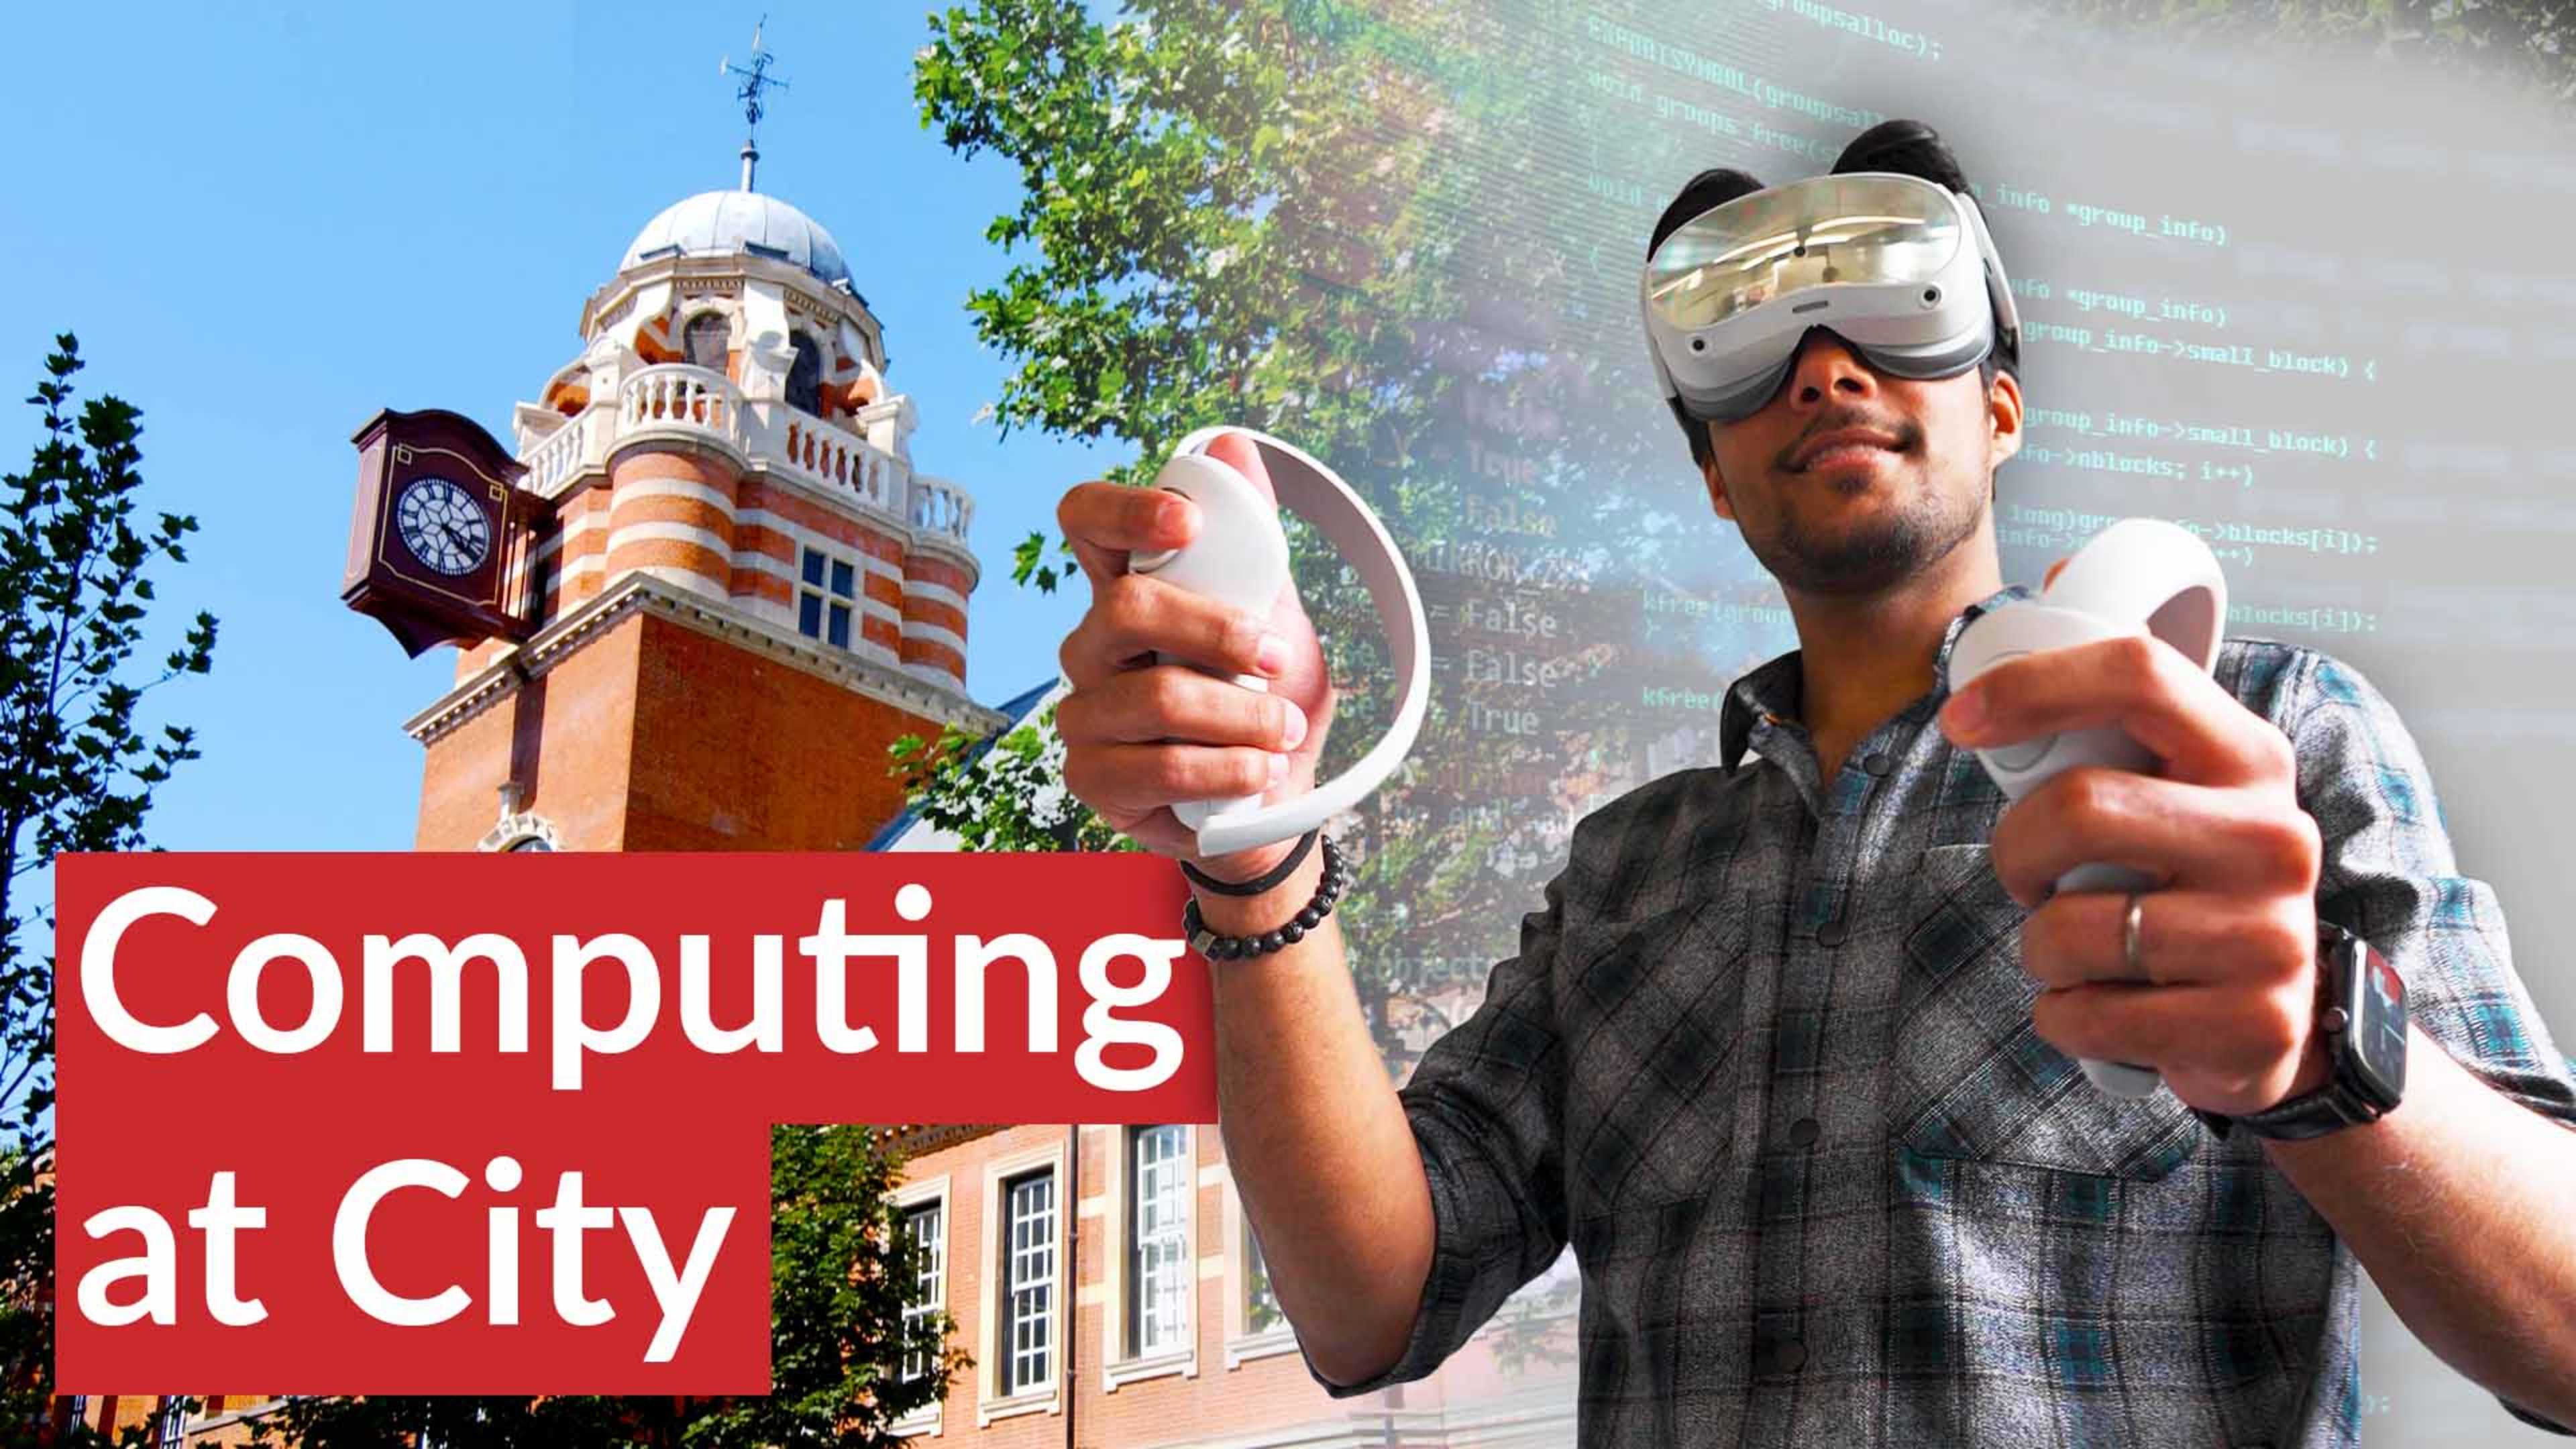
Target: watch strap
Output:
[(2330, 1108), (2338, 1104)]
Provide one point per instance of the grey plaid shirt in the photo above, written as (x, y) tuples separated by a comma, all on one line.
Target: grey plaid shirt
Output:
[(1766, 1061)]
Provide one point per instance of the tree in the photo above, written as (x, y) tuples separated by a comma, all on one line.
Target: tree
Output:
[(841, 1268), (1236, 217), (77, 772), (1005, 793)]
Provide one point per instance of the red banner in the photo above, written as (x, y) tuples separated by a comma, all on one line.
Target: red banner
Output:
[(470, 1123)]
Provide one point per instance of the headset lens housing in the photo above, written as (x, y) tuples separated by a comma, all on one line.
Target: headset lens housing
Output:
[(1733, 257)]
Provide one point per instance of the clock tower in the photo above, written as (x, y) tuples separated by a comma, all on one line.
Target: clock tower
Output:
[(704, 587)]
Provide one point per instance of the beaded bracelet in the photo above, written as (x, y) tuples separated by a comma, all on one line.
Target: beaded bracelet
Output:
[(1214, 947)]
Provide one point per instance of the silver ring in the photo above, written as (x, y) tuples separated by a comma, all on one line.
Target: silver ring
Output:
[(2129, 934)]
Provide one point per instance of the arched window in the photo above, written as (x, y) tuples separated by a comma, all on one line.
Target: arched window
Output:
[(705, 340), (805, 376), (533, 842)]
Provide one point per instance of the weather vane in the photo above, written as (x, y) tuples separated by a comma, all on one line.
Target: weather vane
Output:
[(754, 80)]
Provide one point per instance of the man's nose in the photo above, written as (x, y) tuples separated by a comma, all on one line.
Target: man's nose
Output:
[(1828, 367)]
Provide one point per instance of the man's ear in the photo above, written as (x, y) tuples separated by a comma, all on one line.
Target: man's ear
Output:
[(1715, 481), (2003, 416)]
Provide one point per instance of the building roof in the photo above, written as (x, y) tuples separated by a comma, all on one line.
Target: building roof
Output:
[(908, 831), (753, 222)]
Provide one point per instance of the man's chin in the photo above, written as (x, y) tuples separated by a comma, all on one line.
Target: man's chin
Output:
[(1854, 562), (1855, 582)]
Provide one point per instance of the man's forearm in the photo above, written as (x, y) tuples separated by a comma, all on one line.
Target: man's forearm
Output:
[(2458, 1204), (1317, 1139)]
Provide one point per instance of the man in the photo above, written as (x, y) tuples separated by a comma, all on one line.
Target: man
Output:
[(1788, 1057)]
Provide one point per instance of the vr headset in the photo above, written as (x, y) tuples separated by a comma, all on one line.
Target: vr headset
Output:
[(1901, 268)]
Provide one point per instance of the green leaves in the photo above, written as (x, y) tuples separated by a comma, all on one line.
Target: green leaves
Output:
[(1005, 795), (1168, 291), (77, 772), (1222, 211)]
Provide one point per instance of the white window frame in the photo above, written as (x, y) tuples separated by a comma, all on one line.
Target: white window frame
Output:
[(928, 1192), (1031, 1309), (827, 597), (170, 1422), (991, 1403), (1159, 1251), (1124, 1357), (1244, 1343)]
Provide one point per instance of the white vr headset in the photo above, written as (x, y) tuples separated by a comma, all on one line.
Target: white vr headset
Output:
[(1901, 268), (1240, 557)]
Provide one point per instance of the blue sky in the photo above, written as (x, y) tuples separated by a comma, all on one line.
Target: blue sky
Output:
[(265, 226)]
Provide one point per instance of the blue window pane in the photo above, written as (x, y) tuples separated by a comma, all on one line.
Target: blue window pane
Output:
[(809, 616), (842, 583), (841, 625), (813, 567)]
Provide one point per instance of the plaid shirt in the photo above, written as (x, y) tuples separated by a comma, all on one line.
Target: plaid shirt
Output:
[(1766, 1060)]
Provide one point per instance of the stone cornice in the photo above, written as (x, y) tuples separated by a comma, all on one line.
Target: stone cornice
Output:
[(822, 300), (915, 1140), (641, 592)]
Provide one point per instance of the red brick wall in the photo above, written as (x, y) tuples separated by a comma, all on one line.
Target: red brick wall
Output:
[(1270, 1392), (733, 751), (567, 733), (654, 736)]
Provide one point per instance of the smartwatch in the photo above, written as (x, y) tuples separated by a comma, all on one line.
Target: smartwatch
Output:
[(2362, 1015)]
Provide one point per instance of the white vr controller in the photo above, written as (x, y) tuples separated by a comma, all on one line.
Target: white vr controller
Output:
[(2138, 576), (1240, 557)]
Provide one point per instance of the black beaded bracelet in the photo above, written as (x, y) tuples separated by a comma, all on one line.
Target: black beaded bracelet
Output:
[(1337, 878), (1263, 882)]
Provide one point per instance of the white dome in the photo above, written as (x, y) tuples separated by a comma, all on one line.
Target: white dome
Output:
[(721, 222)]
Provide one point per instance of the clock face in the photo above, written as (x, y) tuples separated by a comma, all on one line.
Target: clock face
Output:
[(442, 525)]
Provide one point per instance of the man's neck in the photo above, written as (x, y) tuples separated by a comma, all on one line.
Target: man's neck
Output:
[(1861, 659)]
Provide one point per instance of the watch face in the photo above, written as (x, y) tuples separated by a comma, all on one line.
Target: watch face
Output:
[(442, 525), (2378, 1007)]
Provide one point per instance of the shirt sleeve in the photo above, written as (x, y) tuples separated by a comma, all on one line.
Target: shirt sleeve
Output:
[(1485, 1104), (2390, 877)]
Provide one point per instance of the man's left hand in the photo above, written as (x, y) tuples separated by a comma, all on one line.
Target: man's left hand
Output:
[(2226, 1007)]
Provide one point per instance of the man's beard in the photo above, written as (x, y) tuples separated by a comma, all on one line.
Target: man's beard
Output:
[(1866, 558)]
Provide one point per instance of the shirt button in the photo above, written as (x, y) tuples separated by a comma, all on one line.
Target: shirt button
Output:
[(1788, 1357), (1830, 933), (1877, 764), (1803, 1131)]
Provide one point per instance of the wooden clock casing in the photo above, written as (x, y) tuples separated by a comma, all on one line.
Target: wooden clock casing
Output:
[(439, 527)]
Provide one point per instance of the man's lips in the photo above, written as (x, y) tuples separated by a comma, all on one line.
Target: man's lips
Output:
[(1842, 445)]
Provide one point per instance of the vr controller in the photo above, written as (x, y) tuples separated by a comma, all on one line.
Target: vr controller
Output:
[(2138, 576), (1240, 557)]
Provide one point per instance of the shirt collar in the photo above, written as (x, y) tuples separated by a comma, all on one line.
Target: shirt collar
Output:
[(1772, 690)]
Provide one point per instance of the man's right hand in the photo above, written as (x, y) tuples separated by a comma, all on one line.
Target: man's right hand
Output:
[(1331, 1177), (1138, 735)]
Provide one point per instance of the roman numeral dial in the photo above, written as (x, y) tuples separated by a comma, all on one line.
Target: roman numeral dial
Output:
[(443, 526)]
